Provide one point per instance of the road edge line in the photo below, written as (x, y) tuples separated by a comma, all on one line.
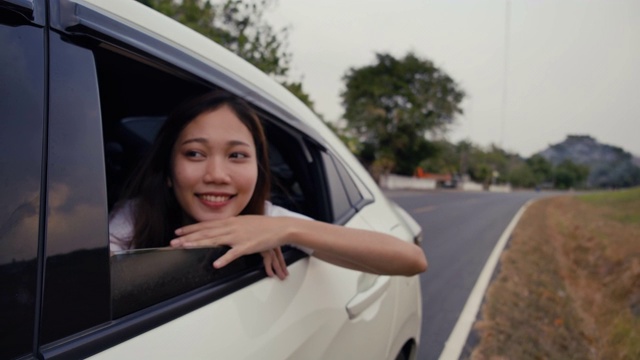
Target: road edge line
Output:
[(457, 339)]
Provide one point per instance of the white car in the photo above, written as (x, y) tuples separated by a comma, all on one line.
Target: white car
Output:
[(84, 85)]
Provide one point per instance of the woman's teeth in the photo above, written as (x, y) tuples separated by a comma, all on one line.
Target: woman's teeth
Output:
[(214, 198)]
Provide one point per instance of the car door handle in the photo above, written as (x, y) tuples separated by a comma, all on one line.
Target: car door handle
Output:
[(364, 299)]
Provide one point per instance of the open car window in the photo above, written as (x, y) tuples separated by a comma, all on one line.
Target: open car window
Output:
[(137, 95)]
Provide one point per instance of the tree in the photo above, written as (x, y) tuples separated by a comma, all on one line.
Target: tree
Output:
[(541, 169), (239, 26), (484, 164), (445, 159), (522, 176), (569, 174), (392, 105)]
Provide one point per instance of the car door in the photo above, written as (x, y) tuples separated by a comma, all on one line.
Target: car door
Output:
[(22, 110)]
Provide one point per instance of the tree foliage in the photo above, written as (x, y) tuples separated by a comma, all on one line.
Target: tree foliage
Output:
[(392, 105), (239, 26), (541, 169), (569, 175)]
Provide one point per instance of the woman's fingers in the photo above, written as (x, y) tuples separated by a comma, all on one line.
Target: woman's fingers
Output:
[(202, 238), (281, 267), (228, 257), (268, 259), (274, 263)]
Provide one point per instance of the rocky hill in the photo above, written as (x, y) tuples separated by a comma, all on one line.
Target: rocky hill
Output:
[(610, 166)]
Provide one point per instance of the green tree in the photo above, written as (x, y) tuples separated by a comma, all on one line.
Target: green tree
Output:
[(392, 105), (541, 169), (445, 159), (568, 175), (463, 150), (239, 26), (522, 176)]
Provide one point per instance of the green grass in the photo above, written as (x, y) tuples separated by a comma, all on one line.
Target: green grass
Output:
[(623, 205), (614, 197)]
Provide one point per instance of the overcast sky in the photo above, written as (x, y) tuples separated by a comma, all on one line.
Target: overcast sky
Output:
[(572, 66)]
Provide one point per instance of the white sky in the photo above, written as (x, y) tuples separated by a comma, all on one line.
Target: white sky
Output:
[(573, 66)]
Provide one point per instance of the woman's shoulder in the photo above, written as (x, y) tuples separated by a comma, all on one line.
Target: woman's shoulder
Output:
[(121, 226), (274, 210)]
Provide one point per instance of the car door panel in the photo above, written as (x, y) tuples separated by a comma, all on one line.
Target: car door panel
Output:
[(22, 109), (307, 312)]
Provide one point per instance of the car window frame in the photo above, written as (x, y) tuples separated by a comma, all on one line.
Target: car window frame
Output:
[(113, 331), (22, 291)]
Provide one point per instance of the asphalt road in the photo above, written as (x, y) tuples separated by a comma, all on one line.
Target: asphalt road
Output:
[(460, 229)]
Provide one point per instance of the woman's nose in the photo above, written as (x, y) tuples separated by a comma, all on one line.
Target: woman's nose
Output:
[(216, 172)]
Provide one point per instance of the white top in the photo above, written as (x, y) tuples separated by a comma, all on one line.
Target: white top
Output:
[(121, 225)]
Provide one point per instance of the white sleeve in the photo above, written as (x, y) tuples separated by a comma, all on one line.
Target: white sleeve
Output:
[(121, 228), (276, 211)]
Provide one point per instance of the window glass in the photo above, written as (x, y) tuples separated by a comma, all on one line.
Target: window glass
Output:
[(350, 187), (339, 198), (76, 278), (21, 129)]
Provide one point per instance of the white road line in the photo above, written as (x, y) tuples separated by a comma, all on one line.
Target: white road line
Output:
[(455, 343)]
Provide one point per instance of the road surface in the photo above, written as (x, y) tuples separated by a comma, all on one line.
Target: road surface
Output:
[(460, 229)]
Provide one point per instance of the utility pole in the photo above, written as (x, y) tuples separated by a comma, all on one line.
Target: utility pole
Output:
[(503, 114)]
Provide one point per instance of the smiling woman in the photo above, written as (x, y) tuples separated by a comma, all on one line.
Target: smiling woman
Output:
[(208, 165)]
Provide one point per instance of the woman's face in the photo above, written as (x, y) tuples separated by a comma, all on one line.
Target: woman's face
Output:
[(214, 166)]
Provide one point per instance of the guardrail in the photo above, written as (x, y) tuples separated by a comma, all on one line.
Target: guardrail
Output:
[(399, 182)]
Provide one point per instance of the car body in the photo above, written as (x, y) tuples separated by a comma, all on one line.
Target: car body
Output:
[(84, 85)]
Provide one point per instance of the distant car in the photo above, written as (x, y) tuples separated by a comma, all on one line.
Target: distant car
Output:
[(84, 85)]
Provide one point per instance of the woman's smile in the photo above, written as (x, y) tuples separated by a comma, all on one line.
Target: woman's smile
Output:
[(214, 201)]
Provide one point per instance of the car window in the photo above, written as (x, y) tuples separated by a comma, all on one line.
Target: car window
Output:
[(137, 94), (355, 197), (340, 201), (21, 134)]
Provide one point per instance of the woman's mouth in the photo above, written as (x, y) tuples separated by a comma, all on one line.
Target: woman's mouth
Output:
[(214, 198)]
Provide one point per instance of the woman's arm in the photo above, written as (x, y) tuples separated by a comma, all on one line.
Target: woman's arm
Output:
[(362, 250)]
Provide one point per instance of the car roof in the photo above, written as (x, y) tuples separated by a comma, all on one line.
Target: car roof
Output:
[(245, 79)]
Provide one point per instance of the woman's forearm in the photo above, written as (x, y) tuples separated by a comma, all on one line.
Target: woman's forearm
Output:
[(363, 250)]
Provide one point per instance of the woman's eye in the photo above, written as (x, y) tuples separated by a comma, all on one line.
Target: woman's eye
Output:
[(238, 155), (193, 154)]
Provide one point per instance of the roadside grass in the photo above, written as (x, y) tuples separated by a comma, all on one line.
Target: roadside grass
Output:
[(568, 286)]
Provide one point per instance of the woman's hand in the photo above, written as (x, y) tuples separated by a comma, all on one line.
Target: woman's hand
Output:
[(245, 235), (274, 263)]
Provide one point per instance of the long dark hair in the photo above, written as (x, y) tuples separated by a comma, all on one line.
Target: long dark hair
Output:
[(155, 210)]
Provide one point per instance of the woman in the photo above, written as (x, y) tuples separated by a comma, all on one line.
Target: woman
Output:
[(205, 182)]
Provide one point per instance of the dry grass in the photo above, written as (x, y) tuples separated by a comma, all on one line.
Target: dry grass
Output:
[(569, 283)]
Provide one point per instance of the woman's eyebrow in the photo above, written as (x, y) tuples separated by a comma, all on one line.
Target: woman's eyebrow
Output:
[(238, 142), (205, 141), (197, 140)]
